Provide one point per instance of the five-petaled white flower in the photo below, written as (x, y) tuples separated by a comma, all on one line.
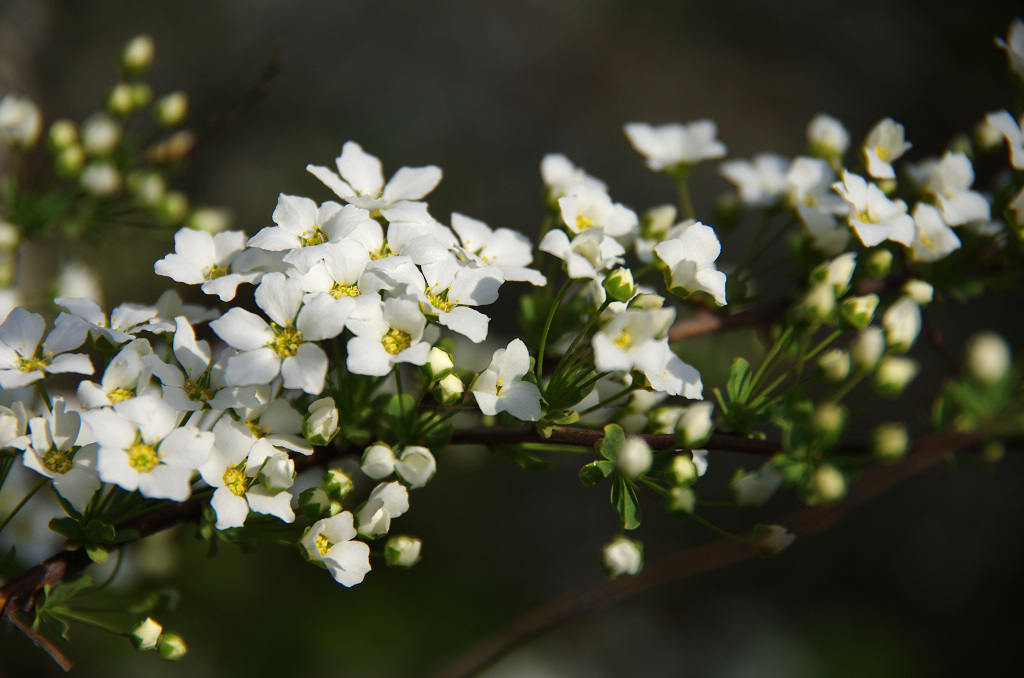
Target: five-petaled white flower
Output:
[(500, 388), (675, 144), (331, 541), (23, 361)]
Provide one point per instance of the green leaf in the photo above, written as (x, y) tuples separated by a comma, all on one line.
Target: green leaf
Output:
[(596, 471), (438, 437), (624, 500), (66, 590), (527, 461), (613, 440), (66, 527), (55, 622), (739, 376), (97, 554)]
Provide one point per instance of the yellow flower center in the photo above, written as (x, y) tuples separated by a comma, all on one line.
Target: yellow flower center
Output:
[(286, 342), (236, 481), (214, 271), (624, 340), (440, 301), (396, 341), (36, 364), (323, 545), (197, 390), (317, 238), (583, 223), (384, 251), (256, 429), (120, 393), (339, 291), (142, 457), (58, 462)]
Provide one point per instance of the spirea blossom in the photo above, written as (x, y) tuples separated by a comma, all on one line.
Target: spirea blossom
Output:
[(675, 144)]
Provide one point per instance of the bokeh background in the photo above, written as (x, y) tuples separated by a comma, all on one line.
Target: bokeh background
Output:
[(923, 582)]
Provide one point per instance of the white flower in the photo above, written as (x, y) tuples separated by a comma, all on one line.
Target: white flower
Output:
[(286, 346), (86, 315), (20, 121), (950, 183), (872, 215), (216, 262), (884, 144), (452, 287), (760, 182), (560, 176), (386, 501), (23, 361), (675, 144), (361, 180), (587, 254), (622, 557), (274, 419), (1011, 130), (331, 541), (500, 388), (508, 250), (378, 461), (54, 449), (933, 239), (142, 449), (1014, 47), (126, 376), (416, 466), (827, 135), (690, 258), (585, 206), (385, 335)]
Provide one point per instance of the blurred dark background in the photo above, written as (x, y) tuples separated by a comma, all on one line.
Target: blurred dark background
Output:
[(924, 582)]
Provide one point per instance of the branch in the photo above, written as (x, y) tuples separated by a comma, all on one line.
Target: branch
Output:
[(925, 453), (706, 322)]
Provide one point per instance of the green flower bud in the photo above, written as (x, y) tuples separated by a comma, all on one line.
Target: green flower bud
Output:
[(819, 304), (336, 483), (120, 100), (171, 110), (315, 504), (878, 262), (145, 634), (828, 422), (834, 365), (402, 552), (683, 471), (172, 647), (210, 219), (619, 284), (63, 133), (321, 424), (682, 500), (142, 94), (439, 364), (889, 441), (68, 162), (149, 188), (449, 391), (859, 311), (867, 348), (829, 484), (173, 208)]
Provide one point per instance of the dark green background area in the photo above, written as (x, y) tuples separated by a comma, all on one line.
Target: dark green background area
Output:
[(924, 582)]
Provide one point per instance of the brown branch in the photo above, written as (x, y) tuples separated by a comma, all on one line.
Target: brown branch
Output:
[(926, 452), (705, 322)]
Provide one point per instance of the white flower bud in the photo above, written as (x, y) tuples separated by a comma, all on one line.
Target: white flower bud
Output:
[(172, 647), (210, 219), (449, 391), (829, 484), (100, 135), (378, 461), (819, 305), (867, 348), (681, 499), (172, 208), (683, 471), (137, 55), (750, 490), (622, 557), (145, 634), (834, 365), (695, 426), (439, 364), (100, 179), (21, 123), (336, 483), (634, 457), (171, 110), (120, 100), (321, 424), (839, 272), (902, 323), (402, 552), (893, 375), (919, 291), (828, 422), (665, 419), (416, 466), (148, 188), (619, 284), (827, 136), (889, 441), (771, 539), (859, 311), (656, 222), (277, 473), (315, 504), (878, 262), (988, 357), (62, 134)]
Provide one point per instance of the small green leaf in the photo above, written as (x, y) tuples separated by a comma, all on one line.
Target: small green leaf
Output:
[(739, 375), (613, 440), (624, 499), (596, 471), (527, 461), (66, 590)]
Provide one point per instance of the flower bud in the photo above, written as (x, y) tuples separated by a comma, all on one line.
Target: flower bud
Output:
[(402, 552), (828, 422), (634, 457), (378, 461), (986, 136), (171, 110), (681, 499), (839, 272), (619, 284), (919, 291), (859, 311), (148, 188), (449, 391), (315, 504), (656, 222), (878, 262), (277, 473), (69, 161), (321, 424), (100, 135), (819, 305), (664, 419), (439, 364), (416, 466), (336, 483), (21, 123), (834, 365), (145, 634), (213, 220), (172, 647), (120, 100), (100, 179), (893, 375), (142, 94), (867, 348), (771, 539), (988, 357), (829, 484), (172, 149), (827, 137), (137, 55), (683, 471), (695, 426), (622, 557), (63, 133), (902, 323), (751, 490), (173, 208), (647, 302), (889, 441)]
